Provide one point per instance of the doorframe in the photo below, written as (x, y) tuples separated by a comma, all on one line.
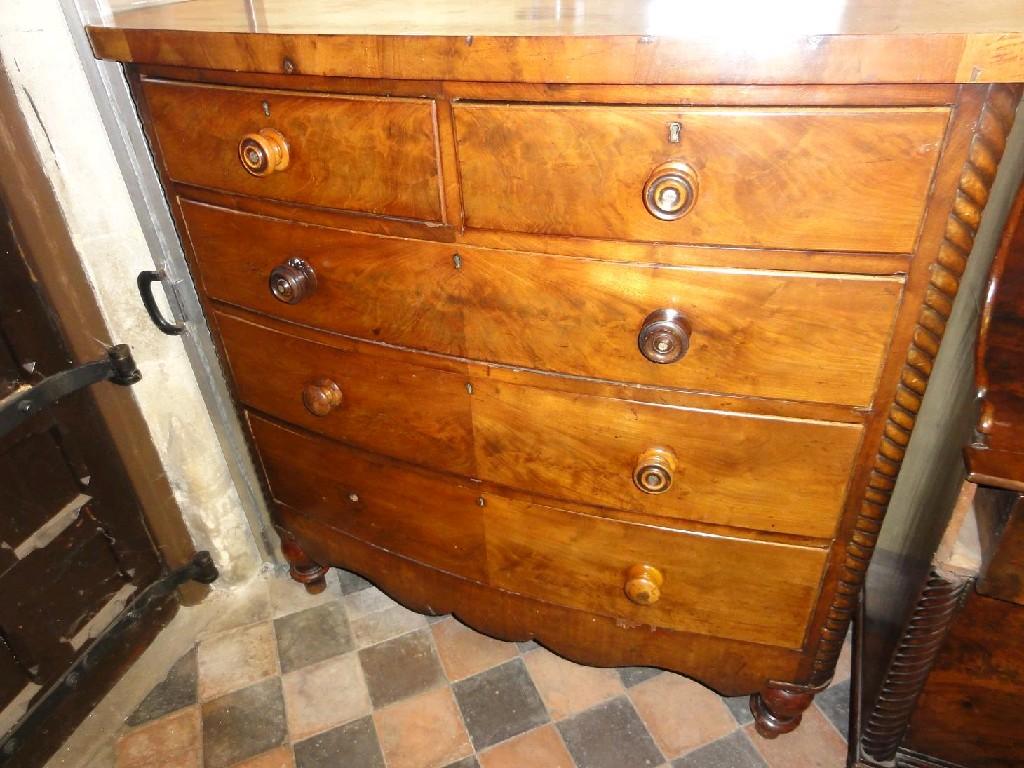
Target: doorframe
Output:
[(131, 150), (47, 248)]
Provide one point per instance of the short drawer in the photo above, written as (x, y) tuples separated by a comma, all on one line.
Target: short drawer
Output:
[(710, 585), (368, 154), (740, 470), (433, 519), (799, 336), (816, 178)]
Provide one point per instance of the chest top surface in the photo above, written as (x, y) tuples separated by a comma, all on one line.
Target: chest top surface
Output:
[(597, 41)]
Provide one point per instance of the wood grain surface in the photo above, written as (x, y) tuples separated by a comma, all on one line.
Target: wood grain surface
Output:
[(844, 179), (411, 412), (729, 666), (374, 155), (433, 519), (610, 41), (581, 562), (964, 178), (799, 336), (550, 17), (997, 455), (969, 710), (486, 336), (748, 472), (1003, 574)]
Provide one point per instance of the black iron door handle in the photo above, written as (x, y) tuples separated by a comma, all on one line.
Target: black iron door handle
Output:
[(145, 282), (118, 366)]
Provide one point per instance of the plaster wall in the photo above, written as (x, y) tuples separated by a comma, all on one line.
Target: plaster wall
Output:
[(41, 61)]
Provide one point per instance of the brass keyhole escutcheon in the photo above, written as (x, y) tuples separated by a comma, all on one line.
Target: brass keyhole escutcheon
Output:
[(671, 191)]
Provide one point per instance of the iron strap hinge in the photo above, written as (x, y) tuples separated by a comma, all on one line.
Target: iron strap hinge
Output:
[(118, 367)]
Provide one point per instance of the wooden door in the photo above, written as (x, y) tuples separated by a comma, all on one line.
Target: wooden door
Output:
[(73, 545)]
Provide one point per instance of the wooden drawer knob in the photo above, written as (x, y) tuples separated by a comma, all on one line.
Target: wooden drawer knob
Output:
[(671, 191), (643, 584), (292, 281), (321, 396), (654, 470), (664, 336), (263, 153)]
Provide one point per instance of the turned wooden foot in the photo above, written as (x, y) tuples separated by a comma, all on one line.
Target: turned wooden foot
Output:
[(778, 708), (302, 568)]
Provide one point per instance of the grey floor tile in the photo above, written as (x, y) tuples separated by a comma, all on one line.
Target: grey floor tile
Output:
[(499, 704), (610, 735), (635, 675), (243, 724), (466, 762), (178, 690), (835, 703), (527, 645), (312, 635), (353, 745), (402, 667), (732, 751), (740, 708), (351, 582)]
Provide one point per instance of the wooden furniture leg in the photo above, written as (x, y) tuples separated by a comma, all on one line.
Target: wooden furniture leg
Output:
[(779, 707), (303, 569)]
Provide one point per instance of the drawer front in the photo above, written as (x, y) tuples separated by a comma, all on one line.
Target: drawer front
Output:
[(754, 472), (377, 155), (709, 585), (831, 178), (409, 412), (432, 519), (767, 334), (767, 474)]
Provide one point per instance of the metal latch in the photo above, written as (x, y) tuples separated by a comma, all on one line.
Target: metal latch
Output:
[(118, 366)]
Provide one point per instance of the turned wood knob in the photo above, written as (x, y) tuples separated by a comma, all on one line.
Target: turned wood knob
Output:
[(321, 396), (292, 281), (664, 336), (643, 584), (654, 470), (263, 153), (671, 191)]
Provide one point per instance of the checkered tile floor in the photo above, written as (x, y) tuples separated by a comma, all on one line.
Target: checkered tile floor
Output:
[(349, 678)]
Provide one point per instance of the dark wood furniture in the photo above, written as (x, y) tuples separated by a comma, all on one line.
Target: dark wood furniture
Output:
[(75, 547), (607, 330), (953, 689)]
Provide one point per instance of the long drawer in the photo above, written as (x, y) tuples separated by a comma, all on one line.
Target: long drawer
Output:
[(741, 470), (823, 178), (771, 334), (421, 515), (370, 154), (711, 585)]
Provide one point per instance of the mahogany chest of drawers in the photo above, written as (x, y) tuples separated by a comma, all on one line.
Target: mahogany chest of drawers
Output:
[(610, 341)]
